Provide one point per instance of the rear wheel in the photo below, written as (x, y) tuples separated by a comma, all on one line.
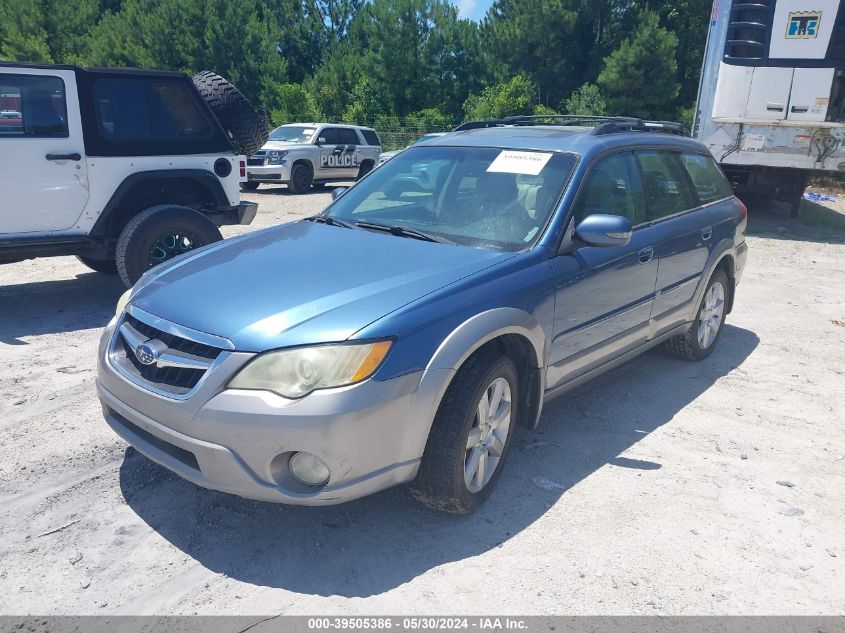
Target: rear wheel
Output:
[(105, 266), (701, 339), (471, 435), (300, 178), (159, 234), (250, 185), (365, 168)]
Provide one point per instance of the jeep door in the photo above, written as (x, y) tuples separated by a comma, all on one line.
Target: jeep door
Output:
[(43, 175), (603, 295), (683, 192)]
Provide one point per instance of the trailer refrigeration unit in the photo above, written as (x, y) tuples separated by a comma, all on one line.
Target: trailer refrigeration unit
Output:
[(771, 104)]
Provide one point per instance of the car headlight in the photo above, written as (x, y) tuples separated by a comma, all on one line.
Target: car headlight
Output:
[(122, 302), (274, 158), (295, 373)]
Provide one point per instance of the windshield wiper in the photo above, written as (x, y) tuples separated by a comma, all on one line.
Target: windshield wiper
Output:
[(327, 219), (402, 231)]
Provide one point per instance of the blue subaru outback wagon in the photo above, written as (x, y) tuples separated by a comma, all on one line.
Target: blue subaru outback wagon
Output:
[(406, 332)]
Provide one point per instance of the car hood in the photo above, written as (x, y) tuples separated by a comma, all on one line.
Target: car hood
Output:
[(302, 283), (270, 146)]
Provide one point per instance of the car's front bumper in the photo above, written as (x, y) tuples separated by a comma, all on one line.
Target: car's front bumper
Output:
[(370, 435), (268, 173)]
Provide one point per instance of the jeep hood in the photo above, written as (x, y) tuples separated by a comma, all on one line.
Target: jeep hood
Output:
[(302, 283)]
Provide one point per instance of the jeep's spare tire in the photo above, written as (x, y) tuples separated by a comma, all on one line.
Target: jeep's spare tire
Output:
[(246, 126)]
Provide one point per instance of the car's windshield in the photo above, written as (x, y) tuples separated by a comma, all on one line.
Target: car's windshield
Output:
[(292, 134), (476, 196)]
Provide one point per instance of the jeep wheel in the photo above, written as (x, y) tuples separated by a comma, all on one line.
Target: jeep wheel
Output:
[(105, 266), (701, 339), (246, 126), (158, 234), (471, 435), (300, 178), (249, 186)]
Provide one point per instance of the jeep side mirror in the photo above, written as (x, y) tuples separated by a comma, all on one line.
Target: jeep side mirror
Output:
[(604, 230), (337, 192)]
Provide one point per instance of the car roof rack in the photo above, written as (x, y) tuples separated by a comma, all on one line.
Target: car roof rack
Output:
[(602, 124)]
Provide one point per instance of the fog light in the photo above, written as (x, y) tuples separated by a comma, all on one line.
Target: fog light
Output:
[(309, 469)]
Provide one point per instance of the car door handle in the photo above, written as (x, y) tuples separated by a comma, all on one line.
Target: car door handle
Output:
[(774, 107), (706, 233), (799, 109), (63, 157), (646, 255)]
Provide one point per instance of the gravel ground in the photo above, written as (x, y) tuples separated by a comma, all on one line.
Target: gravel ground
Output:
[(665, 488)]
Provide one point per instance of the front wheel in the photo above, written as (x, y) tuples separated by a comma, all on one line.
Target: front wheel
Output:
[(300, 179), (158, 234), (471, 435), (701, 339)]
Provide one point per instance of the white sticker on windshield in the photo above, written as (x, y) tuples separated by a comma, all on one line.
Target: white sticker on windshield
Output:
[(529, 163)]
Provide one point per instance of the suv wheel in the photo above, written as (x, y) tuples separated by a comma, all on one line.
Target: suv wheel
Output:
[(105, 266), (471, 435), (701, 339), (249, 185), (158, 234), (300, 178)]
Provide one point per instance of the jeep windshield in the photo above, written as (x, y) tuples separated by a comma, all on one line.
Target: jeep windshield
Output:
[(292, 134), (474, 196)]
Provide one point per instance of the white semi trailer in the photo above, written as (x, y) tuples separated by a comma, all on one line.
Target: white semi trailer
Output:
[(771, 103)]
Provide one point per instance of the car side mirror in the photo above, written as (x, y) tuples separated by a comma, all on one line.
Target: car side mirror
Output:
[(321, 140), (604, 230), (337, 192)]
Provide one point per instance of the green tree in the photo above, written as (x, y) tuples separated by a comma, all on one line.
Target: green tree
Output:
[(514, 97), (557, 43), (586, 100), (366, 103), (640, 77), (294, 103), (23, 36)]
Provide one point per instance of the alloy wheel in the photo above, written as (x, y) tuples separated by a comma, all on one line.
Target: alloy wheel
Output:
[(488, 435), (711, 315)]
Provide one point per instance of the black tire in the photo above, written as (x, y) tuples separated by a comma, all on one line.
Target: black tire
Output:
[(687, 346), (149, 233), (246, 126), (365, 168), (440, 483), (105, 266), (249, 186), (301, 177)]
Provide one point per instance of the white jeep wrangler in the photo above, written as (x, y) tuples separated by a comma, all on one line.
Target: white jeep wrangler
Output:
[(122, 168), (305, 154)]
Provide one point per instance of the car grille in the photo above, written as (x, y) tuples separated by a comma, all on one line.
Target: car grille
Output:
[(162, 375)]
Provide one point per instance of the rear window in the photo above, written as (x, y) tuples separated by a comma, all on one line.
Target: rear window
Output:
[(666, 185), (32, 106), (142, 110), (708, 179), (371, 137)]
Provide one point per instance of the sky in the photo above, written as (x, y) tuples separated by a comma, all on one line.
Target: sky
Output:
[(472, 9)]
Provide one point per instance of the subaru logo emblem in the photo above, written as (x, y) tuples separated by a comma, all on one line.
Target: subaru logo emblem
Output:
[(148, 353)]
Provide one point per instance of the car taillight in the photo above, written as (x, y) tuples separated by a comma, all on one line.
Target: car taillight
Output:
[(742, 209), (243, 170)]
